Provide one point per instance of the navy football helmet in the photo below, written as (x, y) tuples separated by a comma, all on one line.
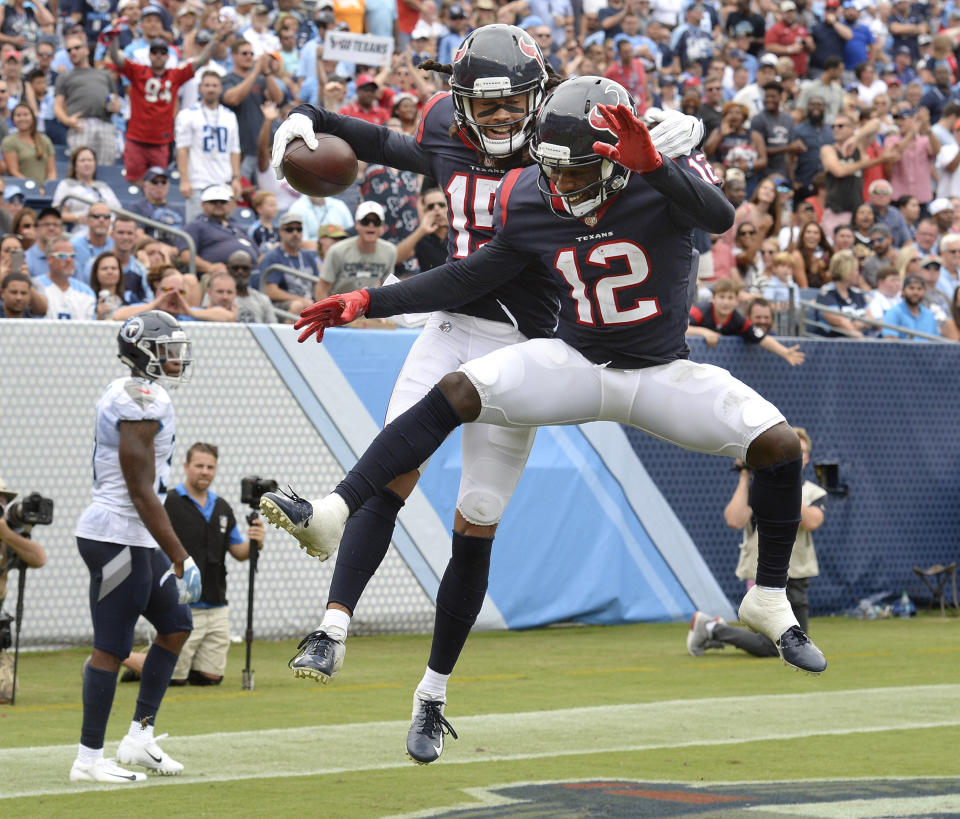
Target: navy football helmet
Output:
[(149, 340), (566, 128), (497, 61)]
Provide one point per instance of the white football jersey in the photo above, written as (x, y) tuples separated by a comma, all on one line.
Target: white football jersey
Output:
[(211, 135), (112, 517)]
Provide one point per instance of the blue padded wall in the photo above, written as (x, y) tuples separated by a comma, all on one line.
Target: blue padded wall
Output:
[(889, 413)]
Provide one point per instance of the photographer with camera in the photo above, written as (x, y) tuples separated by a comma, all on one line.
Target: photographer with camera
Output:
[(206, 526), (17, 551)]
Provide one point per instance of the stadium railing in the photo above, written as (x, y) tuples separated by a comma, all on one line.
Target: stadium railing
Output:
[(288, 271)]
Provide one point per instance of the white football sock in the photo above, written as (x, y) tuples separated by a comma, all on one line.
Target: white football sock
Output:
[(336, 623), (434, 684)]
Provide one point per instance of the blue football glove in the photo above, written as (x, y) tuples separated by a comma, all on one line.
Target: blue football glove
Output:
[(189, 586)]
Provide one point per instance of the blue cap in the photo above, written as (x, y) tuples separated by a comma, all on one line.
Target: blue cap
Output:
[(737, 54), (531, 21), (13, 190)]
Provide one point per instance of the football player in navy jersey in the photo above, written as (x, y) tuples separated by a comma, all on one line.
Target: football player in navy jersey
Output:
[(612, 221), (467, 140)]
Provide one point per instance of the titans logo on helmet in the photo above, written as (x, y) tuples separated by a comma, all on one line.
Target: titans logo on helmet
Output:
[(132, 330)]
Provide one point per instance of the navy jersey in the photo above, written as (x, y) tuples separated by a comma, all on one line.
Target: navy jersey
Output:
[(737, 324), (470, 187), (624, 277)]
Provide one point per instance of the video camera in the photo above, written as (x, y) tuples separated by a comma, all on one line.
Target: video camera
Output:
[(252, 489), (31, 510)]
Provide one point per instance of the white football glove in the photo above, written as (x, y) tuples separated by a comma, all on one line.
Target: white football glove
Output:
[(294, 127), (673, 133), (190, 585)]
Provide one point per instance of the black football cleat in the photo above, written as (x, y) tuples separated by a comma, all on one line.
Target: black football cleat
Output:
[(798, 650), (319, 657)]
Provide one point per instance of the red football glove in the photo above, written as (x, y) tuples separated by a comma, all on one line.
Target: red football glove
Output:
[(333, 311), (634, 149)]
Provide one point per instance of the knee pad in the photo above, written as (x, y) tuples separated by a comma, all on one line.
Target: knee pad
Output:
[(481, 507)]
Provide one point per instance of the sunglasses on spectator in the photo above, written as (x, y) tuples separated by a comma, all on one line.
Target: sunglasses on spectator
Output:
[(292, 228), (98, 215), (244, 53), (62, 255), (159, 180), (748, 233), (371, 221), (76, 48), (180, 290), (159, 50), (240, 267)]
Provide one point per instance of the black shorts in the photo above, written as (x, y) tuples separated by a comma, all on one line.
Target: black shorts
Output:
[(125, 583)]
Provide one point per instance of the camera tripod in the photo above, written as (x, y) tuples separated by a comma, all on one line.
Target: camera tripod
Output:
[(15, 562), (247, 678)]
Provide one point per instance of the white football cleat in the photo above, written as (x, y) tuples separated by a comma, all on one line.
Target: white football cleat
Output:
[(104, 770), (145, 752), (317, 525)]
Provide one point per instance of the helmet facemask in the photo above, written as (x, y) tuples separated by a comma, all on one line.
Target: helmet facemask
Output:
[(173, 348), (486, 92), (611, 178)]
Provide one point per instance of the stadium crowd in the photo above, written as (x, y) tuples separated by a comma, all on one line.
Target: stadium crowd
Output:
[(833, 125)]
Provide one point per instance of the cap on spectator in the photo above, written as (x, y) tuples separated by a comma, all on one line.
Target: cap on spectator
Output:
[(13, 190), (456, 13), (914, 278), (325, 4), (924, 39), (239, 258), (366, 79), (769, 59), (880, 184), (403, 95), (484, 4), (849, 4), (331, 232), (152, 10), (832, 4), (880, 229), (124, 3), (734, 174), (324, 17), (184, 10), (203, 36), (368, 207), (938, 205), (903, 50), (9, 494), (260, 8), (159, 42), (789, 5), (737, 54), (155, 171), (531, 21), (930, 261), (290, 218), (48, 211), (244, 3), (215, 193)]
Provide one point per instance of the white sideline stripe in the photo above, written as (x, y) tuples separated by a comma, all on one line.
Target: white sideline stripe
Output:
[(869, 808), (323, 749)]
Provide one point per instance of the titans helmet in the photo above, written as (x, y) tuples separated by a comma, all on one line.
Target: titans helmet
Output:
[(492, 62), (564, 132), (150, 340)]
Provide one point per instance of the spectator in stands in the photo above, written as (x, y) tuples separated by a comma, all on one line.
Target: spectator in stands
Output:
[(315, 211), (911, 172), (374, 101), (363, 260), (842, 293), (910, 312), (781, 288), (15, 292), (751, 94), (760, 314), (884, 254), (215, 235), (171, 289), (222, 292), (790, 234), (927, 234), (133, 273), (49, 226), (327, 237), (259, 35), (428, 243), (22, 22), (67, 297), (743, 20), (251, 83), (82, 181), (951, 327), (209, 140), (458, 26), (713, 632), (264, 232), (863, 221), (628, 70), (734, 133), (941, 92), (27, 153), (887, 292), (788, 37), (813, 132), (253, 307), (288, 292), (10, 245), (219, 64), (94, 241), (85, 100), (153, 96), (950, 269), (153, 204), (880, 195), (720, 317), (106, 280), (934, 299), (25, 227)]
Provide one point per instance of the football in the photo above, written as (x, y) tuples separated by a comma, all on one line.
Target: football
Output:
[(327, 171)]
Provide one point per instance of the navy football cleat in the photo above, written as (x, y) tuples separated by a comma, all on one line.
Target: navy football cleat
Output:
[(769, 613), (798, 650), (317, 525), (425, 737), (319, 657)]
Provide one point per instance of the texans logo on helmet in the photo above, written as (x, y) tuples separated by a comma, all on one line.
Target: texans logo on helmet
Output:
[(529, 47), (597, 122), (460, 52)]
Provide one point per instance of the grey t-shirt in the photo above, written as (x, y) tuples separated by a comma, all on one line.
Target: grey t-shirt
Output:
[(85, 92), (346, 268)]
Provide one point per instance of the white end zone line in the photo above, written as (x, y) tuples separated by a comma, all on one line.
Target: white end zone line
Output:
[(323, 749)]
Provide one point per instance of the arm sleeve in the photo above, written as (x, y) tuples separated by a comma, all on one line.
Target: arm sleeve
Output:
[(371, 143), (693, 200), (450, 285)]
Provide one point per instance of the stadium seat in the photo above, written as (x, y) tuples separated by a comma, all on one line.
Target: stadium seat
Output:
[(244, 217)]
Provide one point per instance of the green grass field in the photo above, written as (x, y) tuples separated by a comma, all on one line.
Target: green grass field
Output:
[(620, 703)]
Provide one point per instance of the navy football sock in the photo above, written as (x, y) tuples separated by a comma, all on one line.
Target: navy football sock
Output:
[(459, 599), (366, 539), (99, 686), (404, 444), (154, 679), (775, 496)]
